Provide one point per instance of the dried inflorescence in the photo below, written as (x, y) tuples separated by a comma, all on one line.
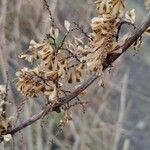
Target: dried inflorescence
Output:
[(104, 38), (5, 122), (56, 62), (114, 7), (147, 4)]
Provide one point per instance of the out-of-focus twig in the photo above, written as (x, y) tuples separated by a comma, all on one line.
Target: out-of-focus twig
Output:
[(3, 15), (122, 110), (49, 12)]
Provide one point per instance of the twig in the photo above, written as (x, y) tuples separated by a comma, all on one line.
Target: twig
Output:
[(49, 12)]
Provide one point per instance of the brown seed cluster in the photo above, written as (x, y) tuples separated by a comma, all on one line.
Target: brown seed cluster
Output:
[(55, 61), (53, 65)]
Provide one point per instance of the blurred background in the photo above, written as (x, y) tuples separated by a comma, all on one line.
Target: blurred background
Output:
[(116, 117)]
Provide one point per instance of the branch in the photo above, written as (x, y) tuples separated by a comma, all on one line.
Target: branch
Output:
[(134, 37)]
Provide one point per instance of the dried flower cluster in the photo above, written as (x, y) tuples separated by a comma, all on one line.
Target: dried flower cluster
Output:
[(147, 4), (5, 122), (55, 61), (62, 60)]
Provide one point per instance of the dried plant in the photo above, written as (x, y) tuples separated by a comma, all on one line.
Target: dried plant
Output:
[(56, 62), (60, 60)]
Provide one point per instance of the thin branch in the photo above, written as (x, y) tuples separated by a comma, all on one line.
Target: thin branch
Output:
[(130, 41), (29, 121), (49, 12)]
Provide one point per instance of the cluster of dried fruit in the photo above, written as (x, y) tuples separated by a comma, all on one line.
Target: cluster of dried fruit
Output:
[(57, 61), (54, 64), (5, 122), (105, 32)]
